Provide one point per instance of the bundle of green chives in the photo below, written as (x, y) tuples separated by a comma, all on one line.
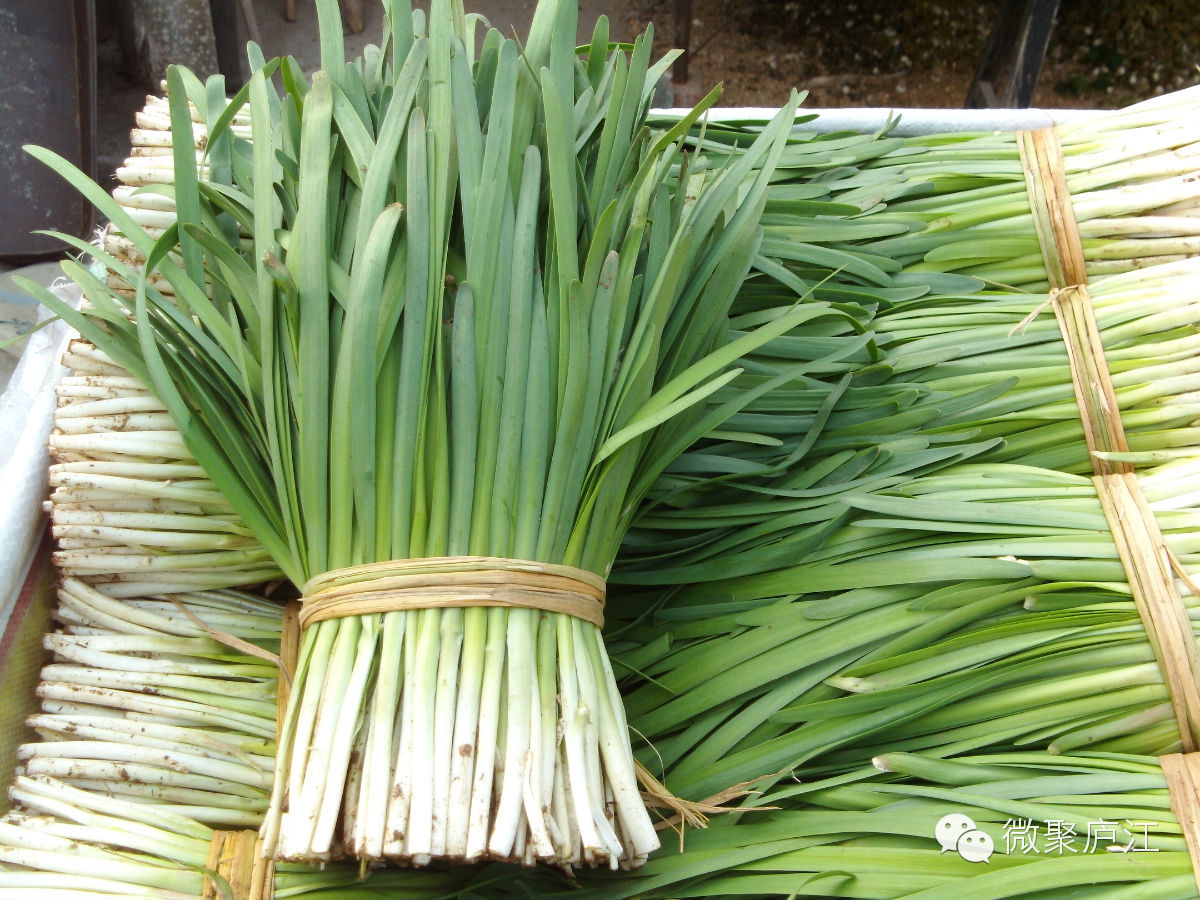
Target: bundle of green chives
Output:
[(484, 329), (929, 209), (1146, 320), (141, 701), (131, 511), (947, 646), (953, 350), (151, 733), (965, 209), (949, 376)]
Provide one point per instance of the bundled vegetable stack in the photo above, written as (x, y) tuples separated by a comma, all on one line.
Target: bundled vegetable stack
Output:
[(132, 510), (519, 324), (481, 311), (1002, 600)]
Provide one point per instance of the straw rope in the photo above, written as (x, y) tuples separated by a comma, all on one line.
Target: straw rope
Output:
[(453, 581), (1093, 385), (1062, 251), (1182, 771), (1148, 563), (238, 867), (289, 654), (1053, 215), (262, 868)]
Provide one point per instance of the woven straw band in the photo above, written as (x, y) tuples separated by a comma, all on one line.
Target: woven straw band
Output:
[(1066, 269), (1148, 566), (289, 656), (453, 581), (1053, 214), (1094, 393), (1143, 551), (235, 857), (1182, 771)]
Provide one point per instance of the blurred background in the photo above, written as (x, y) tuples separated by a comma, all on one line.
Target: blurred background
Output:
[(925, 53)]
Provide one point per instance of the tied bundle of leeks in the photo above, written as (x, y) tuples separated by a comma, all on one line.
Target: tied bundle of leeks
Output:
[(914, 228), (954, 366), (141, 702), (958, 203), (131, 510), (151, 733), (984, 605), (973, 608), (482, 310)]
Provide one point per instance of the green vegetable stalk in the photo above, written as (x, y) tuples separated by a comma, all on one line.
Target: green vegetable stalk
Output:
[(444, 302)]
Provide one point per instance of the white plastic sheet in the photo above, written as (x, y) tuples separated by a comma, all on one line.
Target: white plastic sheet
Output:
[(26, 413), (913, 121)]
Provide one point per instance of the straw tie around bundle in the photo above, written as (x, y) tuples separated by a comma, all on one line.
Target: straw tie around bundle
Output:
[(1182, 771), (1062, 251), (241, 871), (289, 653), (1147, 562), (1053, 216), (453, 581), (1143, 551), (1094, 392)]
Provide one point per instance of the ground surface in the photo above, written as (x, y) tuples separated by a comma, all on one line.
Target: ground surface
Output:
[(923, 53)]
